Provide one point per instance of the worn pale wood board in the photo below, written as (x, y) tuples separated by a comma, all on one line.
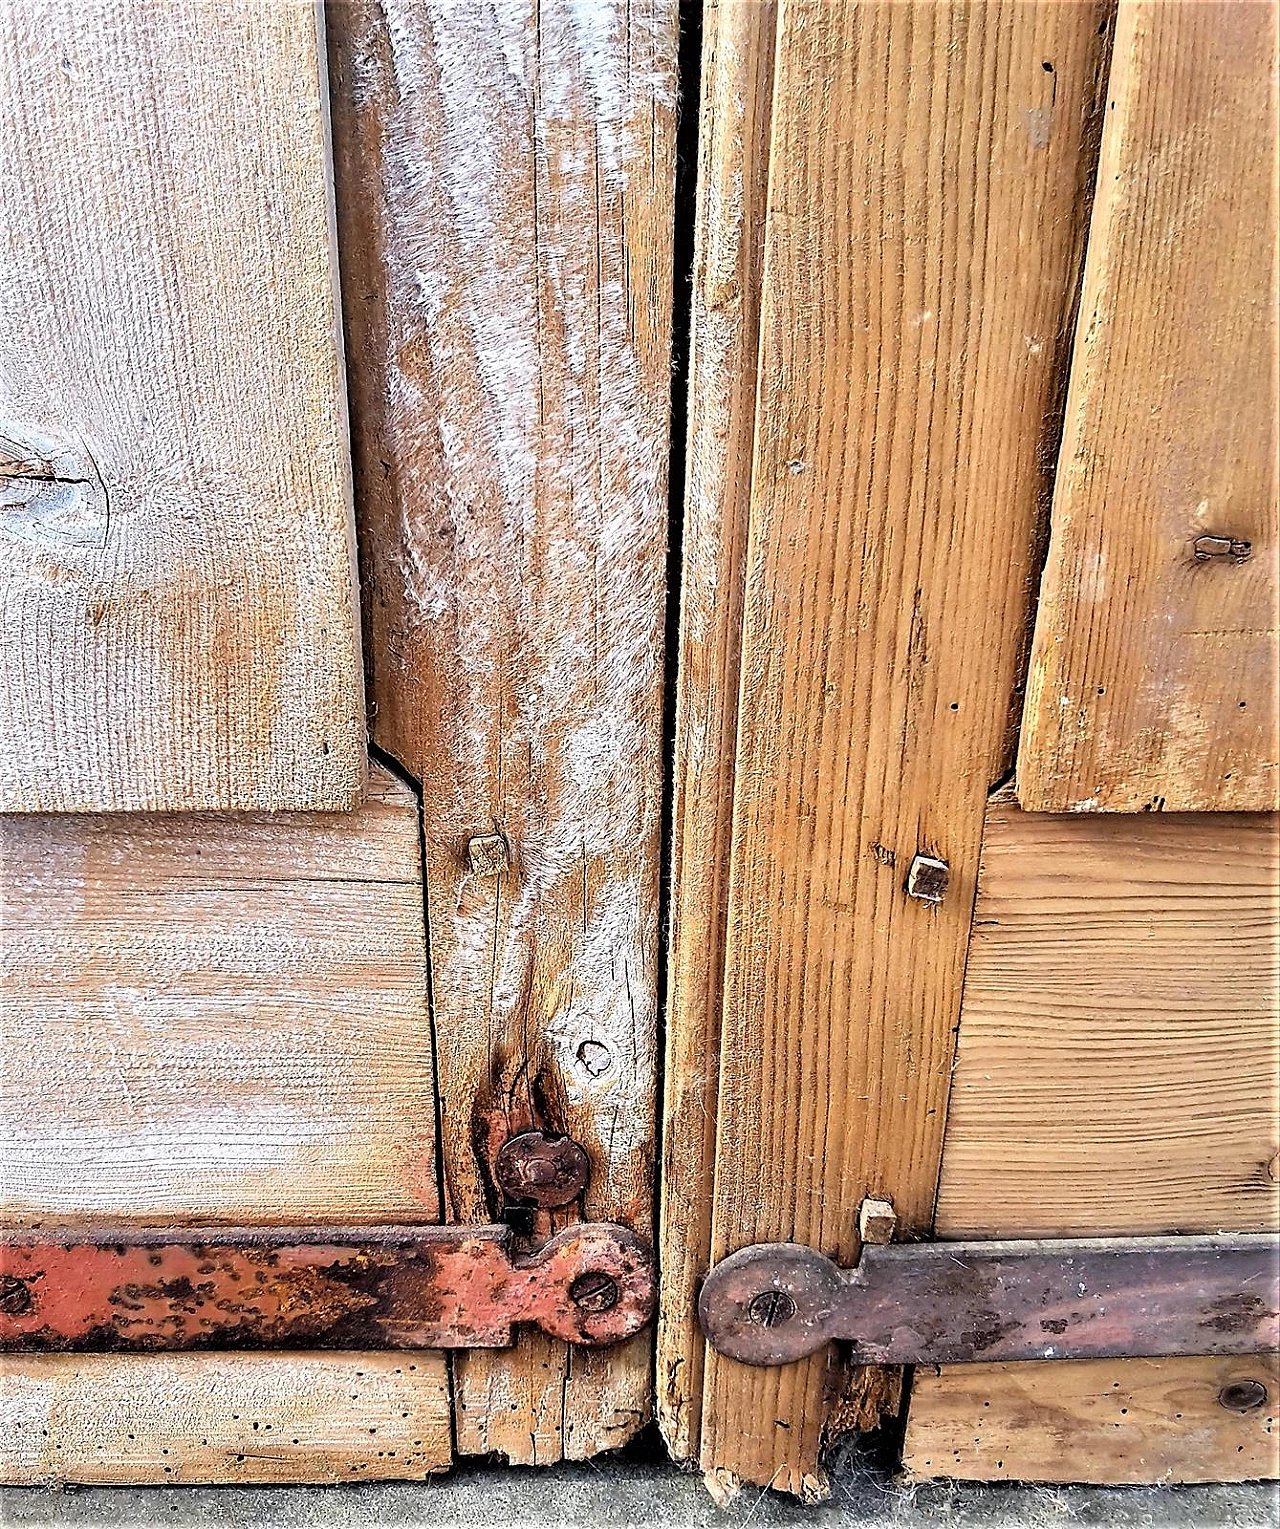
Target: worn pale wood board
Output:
[(924, 239), (738, 43), (505, 183), (216, 1016), (1106, 1421), (177, 571), (240, 1419), (1154, 676), (1118, 1064)]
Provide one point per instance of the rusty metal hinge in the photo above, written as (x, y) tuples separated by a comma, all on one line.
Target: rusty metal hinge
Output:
[(958, 1302), (370, 1287)]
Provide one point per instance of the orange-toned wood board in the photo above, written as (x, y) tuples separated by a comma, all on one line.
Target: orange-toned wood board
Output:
[(738, 44), (177, 582), (217, 1017), (1118, 1063), (1154, 677), (1105, 1421), (916, 295), (505, 196), (241, 1419)]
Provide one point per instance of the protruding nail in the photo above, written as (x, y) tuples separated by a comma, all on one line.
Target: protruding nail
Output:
[(927, 879), (487, 855), (877, 1222), (1234, 548)]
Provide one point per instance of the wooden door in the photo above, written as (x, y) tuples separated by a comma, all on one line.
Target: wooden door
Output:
[(333, 999), (336, 471), (944, 251)]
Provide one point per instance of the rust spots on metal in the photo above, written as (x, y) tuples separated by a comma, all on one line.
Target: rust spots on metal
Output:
[(348, 1288), (957, 1302), (542, 1168)]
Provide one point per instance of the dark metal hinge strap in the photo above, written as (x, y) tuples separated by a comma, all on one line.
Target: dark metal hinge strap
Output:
[(957, 1302)]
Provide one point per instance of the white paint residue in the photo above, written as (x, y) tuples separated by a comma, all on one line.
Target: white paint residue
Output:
[(523, 406)]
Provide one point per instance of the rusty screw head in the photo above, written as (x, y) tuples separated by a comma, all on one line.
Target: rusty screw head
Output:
[(594, 1291), (1242, 1395), (15, 1296), (771, 1308), (543, 1169)]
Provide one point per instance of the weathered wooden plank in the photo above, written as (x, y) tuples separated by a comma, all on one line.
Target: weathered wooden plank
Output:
[(243, 1419), (922, 247), (217, 1017), (1153, 679), (1118, 1063), (1108, 1421), (738, 43), (179, 625), (505, 181)]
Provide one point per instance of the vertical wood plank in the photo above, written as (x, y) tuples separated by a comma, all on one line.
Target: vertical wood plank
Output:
[(179, 616), (1154, 675), (505, 180), (738, 44), (927, 204)]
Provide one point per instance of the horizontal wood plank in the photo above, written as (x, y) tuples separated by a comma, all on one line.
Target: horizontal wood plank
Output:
[(178, 626), (1118, 1063), (1104, 1421), (1153, 680), (234, 1419), (217, 1017)]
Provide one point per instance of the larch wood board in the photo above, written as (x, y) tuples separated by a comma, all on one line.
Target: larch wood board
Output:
[(505, 184), (1104, 1421), (738, 45), (235, 1419), (217, 1017), (179, 613), (1118, 1063), (1154, 677), (927, 202)]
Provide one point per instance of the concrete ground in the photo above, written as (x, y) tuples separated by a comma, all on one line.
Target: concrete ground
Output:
[(638, 1493)]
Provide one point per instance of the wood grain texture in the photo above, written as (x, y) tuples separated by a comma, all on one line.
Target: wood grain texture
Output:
[(1154, 677), (240, 1419), (738, 43), (1118, 1064), (505, 184), (926, 209), (179, 616), (1105, 1421), (217, 1017)]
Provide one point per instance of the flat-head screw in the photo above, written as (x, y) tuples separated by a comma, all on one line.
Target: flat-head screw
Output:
[(594, 1291), (771, 1308)]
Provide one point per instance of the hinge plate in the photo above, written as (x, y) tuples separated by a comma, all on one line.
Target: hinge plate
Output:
[(958, 1302), (371, 1287)]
